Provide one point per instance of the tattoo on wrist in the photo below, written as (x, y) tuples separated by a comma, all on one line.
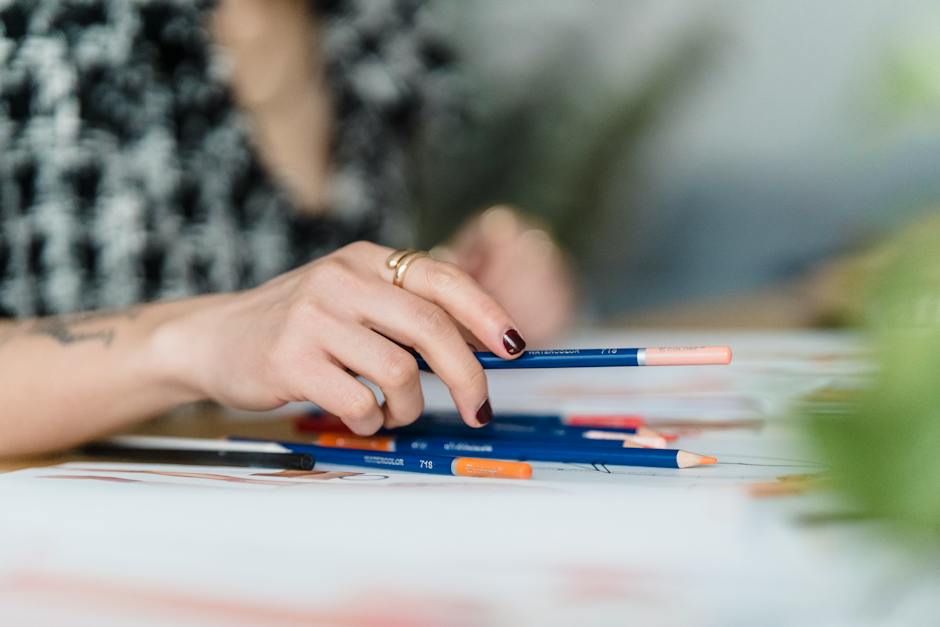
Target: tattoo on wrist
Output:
[(72, 328)]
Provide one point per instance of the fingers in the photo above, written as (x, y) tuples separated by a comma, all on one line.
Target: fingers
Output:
[(414, 321), (385, 364), (517, 262), (459, 295), (542, 298), (420, 317), (342, 395)]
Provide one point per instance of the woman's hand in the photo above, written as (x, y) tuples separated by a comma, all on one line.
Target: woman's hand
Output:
[(304, 336), (519, 264)]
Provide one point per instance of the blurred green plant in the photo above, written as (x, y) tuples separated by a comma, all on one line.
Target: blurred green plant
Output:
[(554, 147), (884, 450), (910, 78)]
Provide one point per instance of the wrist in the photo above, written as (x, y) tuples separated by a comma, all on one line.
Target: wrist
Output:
[(178, 345)]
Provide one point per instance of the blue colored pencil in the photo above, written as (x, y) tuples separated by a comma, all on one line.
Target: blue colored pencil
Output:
[(443, 464), (568, 419), (449, 425), (462, 439), (525, 451), (507, 430), (605, 357)]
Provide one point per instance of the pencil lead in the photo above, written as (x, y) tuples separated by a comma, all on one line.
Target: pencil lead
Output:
[(707, 459)]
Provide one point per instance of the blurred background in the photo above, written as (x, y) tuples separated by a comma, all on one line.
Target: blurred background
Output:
[(688, 151)]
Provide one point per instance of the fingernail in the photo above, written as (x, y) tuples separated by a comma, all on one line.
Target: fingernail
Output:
[(485, 413), (513, 342)]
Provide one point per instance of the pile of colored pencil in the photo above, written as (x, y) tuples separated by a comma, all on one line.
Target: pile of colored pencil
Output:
[(587, 439), (442, 444), (435, 444)]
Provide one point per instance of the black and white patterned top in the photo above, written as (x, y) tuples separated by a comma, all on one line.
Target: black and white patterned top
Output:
[(126, 172)]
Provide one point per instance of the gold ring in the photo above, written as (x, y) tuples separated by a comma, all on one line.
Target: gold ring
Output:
[(399, 261)]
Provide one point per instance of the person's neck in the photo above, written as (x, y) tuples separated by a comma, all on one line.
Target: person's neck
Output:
[(278, 80)]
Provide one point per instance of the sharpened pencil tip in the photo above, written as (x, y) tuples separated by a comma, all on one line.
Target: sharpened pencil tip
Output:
[(707, 459)]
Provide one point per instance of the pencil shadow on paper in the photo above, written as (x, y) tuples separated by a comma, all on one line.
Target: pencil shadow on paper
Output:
[(123, 475), (729, 469), (150, 475)]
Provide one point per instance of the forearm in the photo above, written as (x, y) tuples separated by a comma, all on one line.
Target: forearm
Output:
[(298, 337), (66, 379)]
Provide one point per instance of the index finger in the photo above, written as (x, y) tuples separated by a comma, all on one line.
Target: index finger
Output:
[(466, 301)]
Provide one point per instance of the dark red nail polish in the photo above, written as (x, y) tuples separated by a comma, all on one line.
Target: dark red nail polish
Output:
[(513, 342), (485, 413)]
